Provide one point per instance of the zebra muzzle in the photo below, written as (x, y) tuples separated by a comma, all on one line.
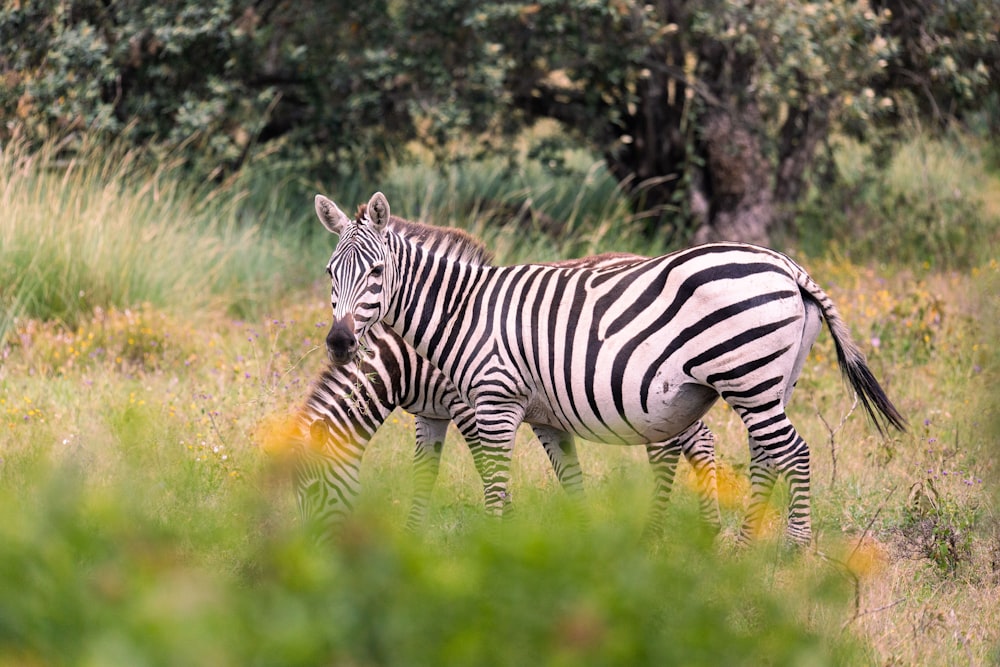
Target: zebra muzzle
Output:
[(341, 343)]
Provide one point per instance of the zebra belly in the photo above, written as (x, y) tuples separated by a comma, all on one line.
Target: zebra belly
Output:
[(671, 411)]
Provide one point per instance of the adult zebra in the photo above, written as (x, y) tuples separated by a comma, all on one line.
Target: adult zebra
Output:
[(629, 354), (347, 404)]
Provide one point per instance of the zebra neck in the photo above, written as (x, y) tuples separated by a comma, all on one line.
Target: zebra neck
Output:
[(352, 401), (435, 298)]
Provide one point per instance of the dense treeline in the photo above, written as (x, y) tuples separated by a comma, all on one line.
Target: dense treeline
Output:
[(714, 114)]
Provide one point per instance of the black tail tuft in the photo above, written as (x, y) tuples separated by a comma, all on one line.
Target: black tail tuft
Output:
[(855, 369), (852, 361), (878, 406)]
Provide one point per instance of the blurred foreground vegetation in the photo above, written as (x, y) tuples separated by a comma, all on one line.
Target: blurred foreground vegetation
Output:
[(167, 569)]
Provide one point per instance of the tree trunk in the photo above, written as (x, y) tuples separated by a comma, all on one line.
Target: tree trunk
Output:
[(736, 182), (801, 135), (650, 163), (684, 133)]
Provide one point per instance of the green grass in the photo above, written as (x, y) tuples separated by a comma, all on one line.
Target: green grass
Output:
[(932, 203), (103, 229), (143, 525)]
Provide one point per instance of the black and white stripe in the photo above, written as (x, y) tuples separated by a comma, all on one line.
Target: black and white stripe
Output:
[(348, 403), (630, 354)]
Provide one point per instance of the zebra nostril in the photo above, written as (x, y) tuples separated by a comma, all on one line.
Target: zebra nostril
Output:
[(341, 343), (340, 339)]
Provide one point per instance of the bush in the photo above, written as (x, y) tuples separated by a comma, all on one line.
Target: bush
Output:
[(925, 207), (938, 527)]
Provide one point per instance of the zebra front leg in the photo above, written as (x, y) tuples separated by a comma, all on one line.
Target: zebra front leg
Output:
[(430, 436), (497, 429), (465, 420)]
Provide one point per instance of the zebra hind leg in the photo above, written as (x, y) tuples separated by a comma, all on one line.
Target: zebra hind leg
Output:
[(561, 450), (776, 449), (430, 436), (663, 457), (698, 447), (697, 444)]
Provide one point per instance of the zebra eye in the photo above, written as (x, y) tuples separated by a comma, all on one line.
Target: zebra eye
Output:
[(377, 270)]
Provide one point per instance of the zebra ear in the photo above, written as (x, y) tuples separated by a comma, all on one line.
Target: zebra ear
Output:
[(332, 217), (378, 211)]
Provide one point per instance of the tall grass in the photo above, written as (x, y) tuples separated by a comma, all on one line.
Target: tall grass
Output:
[(534, 204), (931, 203), (103, 229), (523, 210)]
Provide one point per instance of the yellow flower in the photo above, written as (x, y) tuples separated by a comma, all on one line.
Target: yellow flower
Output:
[(278, 434)]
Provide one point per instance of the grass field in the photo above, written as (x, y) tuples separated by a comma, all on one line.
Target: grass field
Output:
[(143, 525)]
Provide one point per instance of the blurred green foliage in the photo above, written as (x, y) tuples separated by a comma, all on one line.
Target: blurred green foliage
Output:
[(93, 579), (211, 82), (945, 61)]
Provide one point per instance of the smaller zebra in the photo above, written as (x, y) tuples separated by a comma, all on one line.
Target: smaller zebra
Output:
[(347, 404)]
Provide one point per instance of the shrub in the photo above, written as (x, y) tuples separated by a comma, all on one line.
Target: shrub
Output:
[(93, 578), (938, 527), (924, 207)]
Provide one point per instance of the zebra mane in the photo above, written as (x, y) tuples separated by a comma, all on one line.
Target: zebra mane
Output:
[(451, 242)]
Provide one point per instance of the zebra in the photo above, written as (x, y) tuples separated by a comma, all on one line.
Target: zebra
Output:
[(346, 405), (627, 354)]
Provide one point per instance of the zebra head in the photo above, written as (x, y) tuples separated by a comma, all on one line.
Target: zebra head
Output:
[(358, 273)]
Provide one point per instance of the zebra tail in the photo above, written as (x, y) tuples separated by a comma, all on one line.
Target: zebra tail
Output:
[(853, 364)]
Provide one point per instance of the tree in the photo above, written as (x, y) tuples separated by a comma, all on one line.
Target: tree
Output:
[(711, 113), (316, 82), (947, 61)]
